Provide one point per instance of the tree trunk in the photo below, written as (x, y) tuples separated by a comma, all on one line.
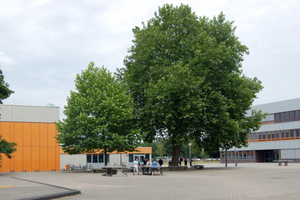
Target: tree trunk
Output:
[(105, 156), (175, 155)]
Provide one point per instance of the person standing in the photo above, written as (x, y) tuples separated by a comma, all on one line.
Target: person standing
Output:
[(148, 163), (170, 160), (136, 166), (191, 161), (154, 164), (185, 162), (181, 159), (160, 162)]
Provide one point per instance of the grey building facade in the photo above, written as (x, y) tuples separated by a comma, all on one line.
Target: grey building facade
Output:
[(278, 138)]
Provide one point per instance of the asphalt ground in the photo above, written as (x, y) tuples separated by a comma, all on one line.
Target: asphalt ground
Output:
[(247, 181)]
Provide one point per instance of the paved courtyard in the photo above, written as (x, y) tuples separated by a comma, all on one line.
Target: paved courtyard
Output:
[(247, 181)]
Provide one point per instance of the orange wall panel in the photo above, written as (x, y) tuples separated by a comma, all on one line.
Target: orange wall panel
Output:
[(18, 159), (5, 164), (19, 133), (5, 131), (35, 162), (12, 162), (27, 134), (51, 158), (43, 158), (35, 132), (12, 132), (27, 158), (43, 135), (36, 146), (57, 158), (51, 135)]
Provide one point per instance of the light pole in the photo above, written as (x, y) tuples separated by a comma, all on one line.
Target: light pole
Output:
[(190, 144), (235, 156)]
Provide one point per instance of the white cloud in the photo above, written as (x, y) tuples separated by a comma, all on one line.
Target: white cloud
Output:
[(45, 43)]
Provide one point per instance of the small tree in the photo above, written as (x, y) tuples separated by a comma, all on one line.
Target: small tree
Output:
[(98, 115), (6, 148)]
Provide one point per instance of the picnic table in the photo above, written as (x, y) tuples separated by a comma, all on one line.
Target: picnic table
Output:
[(147, 169), (118, 169)]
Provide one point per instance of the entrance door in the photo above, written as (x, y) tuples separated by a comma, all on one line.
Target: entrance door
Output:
[(269, 156)]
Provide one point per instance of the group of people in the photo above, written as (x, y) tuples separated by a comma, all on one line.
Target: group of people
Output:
[(137, 164), (180, 160)]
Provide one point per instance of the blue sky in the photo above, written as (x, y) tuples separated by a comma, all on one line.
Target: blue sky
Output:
[(45, 43)]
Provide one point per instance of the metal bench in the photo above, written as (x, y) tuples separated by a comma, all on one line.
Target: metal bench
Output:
[(282, 161)]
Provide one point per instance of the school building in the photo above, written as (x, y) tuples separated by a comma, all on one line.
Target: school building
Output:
[(277, 139), (34, 131)]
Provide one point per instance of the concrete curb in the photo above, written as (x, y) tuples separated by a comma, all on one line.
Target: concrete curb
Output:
[(69, 192)]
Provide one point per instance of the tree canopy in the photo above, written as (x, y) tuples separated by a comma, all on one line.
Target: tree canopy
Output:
[(184, 73), (5, 92), (99, 115)]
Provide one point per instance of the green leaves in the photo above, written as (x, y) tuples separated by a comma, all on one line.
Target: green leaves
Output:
[(185, 76), (99, 115), (5, 92), (6, 148)]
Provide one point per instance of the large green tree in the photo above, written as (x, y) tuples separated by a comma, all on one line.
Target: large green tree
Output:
[(6, 148), (184, 73), (99, 115)]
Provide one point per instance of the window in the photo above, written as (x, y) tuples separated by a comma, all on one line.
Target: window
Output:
[(286, 117), (292, 115), (292, 134), (282, 135), (147, 156), (95, 158), (264, 136), (252, 137), (282, 117), (101, 158), (277, 117), (269, 136), (273, 135), (130, 157), (277, 135), (89, 158), (297, 115), (287, 134), (297, 134)]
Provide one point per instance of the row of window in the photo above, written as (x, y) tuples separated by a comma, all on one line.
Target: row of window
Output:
[(99, 158), (287, 116), (239, 155), (96, 158), (292, 134)]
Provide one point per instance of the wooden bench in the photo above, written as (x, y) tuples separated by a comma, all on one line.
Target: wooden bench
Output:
[(282, 161)]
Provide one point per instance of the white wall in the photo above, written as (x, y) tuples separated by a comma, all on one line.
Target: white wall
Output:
[(72, 159), (290, 154)]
